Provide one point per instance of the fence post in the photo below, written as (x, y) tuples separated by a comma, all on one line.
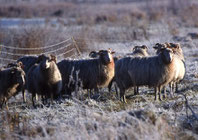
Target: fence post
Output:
[(76, 46)]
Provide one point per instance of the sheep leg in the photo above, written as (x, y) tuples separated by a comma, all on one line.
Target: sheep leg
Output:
[(122, 96), (6, 104), (109, 86), (164, 95), (33, 103), (89, 91), (159, 92), (52, 97), (43, 99), (1, 105), (96, 90), (171, 88), (116, 89), (156, 93), (124, 99), (2, 102), (24, 95), (135, 90), (176, 90)]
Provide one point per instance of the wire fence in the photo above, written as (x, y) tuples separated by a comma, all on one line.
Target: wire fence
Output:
[(63, 49)]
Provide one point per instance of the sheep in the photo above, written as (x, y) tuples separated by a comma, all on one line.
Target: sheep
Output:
[(94, 54), (28, 61), (155, 71), (180, 65), (180, 73), (12, 80), (137, 51), (92, 73), (176, 47), (44, 78)]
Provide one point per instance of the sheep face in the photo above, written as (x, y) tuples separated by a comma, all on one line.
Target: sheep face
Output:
[(18, 75), (144, 47), (167, 55), (175, 47), (45, 61), (140, 51), (46, 64), (106, 56)]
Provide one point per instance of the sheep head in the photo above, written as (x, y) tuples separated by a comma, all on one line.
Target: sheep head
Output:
[(18, 75), (53, 58), (175, 47), (46, 60), (18, 64), (159, 46), (106, 56), (41, 58), (167, 55), (144, 47)]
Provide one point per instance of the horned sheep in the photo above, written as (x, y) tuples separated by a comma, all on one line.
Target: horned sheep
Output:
[(44, 79), (12, 80), (180, 65), (137, 51), (154, 71), (28, 61), (92, 73)]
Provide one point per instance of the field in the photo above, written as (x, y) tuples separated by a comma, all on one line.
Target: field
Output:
[(94, 26)]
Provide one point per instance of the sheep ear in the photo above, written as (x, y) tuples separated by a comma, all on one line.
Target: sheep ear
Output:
[(168, 45), (177, 45), (92, 53), (53, 58), (144, 47), (20, 64), (112, 52), (134, 48), (99, 52), (155, 47)]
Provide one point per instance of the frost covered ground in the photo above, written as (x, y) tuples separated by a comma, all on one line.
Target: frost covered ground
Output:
[(108, 118)]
